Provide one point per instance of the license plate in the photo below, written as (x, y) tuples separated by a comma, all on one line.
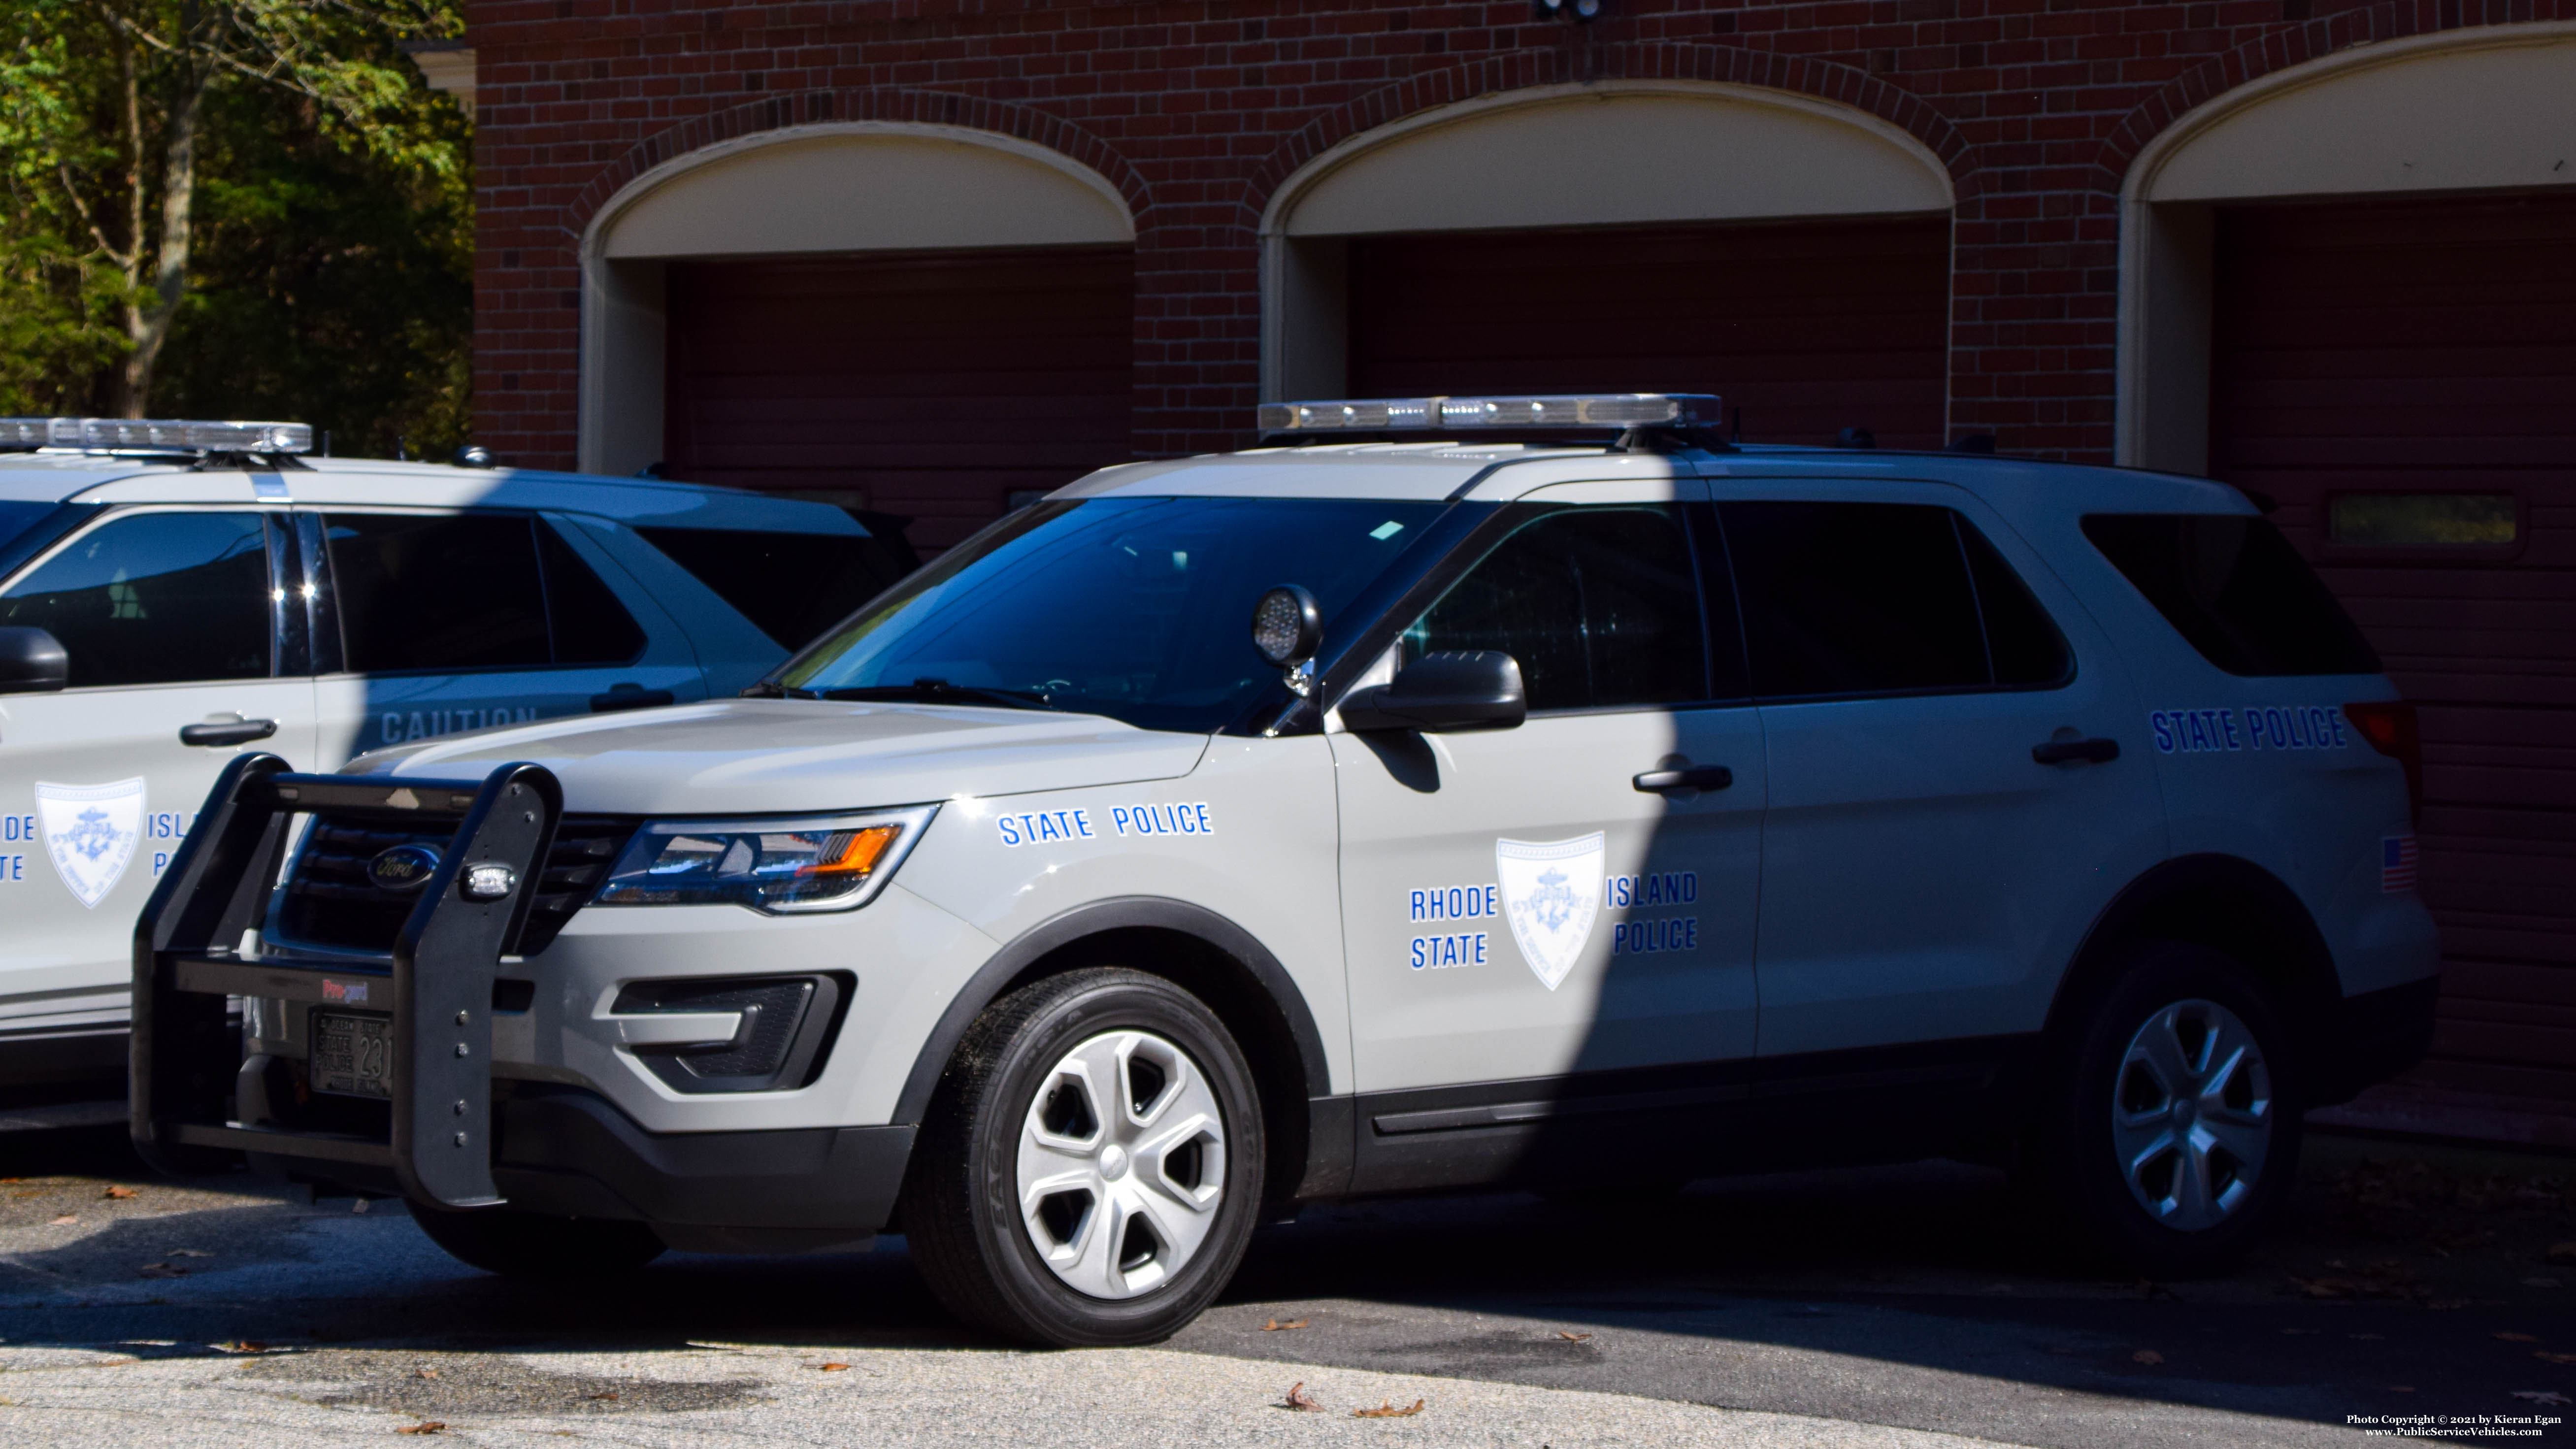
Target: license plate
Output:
[(352, 1054)]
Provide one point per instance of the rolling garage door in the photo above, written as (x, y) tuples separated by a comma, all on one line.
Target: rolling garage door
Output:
[(934, 385), (1808, 327), (2401, 378)]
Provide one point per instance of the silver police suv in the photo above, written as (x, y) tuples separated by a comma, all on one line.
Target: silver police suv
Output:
[(1449, 793), (175, 592)]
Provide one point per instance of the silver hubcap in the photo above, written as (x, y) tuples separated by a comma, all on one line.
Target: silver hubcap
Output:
[(2191, 1115), (1122, 1164)]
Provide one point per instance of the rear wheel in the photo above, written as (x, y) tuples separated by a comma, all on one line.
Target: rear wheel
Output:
[(1090, 1168), (2174, 1136), (529, 1245)]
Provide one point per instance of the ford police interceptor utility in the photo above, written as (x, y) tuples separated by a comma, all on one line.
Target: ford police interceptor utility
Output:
[(1453, 792), (172, 593)]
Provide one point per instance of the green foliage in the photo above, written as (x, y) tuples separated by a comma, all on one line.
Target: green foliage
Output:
[(246, 208), (331, 287)]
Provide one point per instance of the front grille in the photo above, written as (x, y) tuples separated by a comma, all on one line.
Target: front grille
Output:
[(330, 901)]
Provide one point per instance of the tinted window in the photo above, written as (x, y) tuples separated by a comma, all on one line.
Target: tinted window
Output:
[(2021, 640), (2233, 586), (1854, 598), (793, 585), (466, 592), (154, 599), (1136, 608), (1599, 605)]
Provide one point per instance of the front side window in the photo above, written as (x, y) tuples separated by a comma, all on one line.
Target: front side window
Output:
[(1135, 608), (1599, 605), (2233, 586), (155, 598), (1882, 598), (469, 591)]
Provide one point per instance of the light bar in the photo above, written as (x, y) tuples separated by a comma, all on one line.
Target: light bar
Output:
[(172, 434), (1559, 410)]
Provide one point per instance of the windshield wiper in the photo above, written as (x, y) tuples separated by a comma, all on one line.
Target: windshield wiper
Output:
[(936, 691)]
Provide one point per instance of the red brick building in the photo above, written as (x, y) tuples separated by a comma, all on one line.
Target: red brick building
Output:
[(929, 254)]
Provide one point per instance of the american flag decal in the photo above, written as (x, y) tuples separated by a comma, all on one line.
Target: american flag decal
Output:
[(2397, 863)]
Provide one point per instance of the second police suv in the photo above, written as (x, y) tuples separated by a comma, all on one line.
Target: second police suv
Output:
[(1589, 803)]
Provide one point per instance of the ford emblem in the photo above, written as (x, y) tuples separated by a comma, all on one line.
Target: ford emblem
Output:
[(403, 868)]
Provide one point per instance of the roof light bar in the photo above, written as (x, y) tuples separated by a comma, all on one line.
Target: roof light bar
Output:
[(1558, 410), (171, 434)]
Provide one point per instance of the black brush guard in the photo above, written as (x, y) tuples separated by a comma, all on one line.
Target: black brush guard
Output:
[(435, 984)]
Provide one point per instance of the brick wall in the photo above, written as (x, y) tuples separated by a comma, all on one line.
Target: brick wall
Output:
[(1198, 111)]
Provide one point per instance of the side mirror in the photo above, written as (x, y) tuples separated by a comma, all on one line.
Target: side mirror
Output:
[(32, 660), (1441, 693)]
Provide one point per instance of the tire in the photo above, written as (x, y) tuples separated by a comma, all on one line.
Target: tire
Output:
[(2174, 1179), (537, 1248), (1042, 1091)]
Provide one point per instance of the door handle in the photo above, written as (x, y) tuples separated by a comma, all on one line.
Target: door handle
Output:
[(630, 696), (1694, 777), (231, 732), (2063, 752)]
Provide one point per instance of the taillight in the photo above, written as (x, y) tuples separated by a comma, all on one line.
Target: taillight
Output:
[(2389, 725)]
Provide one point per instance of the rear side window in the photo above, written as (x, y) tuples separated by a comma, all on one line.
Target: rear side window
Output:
[(469, 591), (2235, 588), (155, 598), (1600, 607), (793, 585), (1882, 598)]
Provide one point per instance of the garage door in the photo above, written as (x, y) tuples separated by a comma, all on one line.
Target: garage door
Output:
[(931, 385), (1809, 327), (2401, 377)]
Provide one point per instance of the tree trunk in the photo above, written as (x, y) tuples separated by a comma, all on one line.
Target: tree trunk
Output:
[(149, 326)]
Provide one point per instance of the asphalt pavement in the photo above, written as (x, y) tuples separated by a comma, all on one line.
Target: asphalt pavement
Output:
[(1896, 1307)]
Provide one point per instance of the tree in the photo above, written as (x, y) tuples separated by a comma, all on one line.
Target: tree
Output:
[(105, 115)]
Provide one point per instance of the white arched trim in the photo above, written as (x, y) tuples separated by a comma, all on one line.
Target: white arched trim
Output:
[(2481, 109), (1609, 153), (837, 187)]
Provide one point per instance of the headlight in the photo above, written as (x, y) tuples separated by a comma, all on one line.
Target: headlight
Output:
[(815, 863)]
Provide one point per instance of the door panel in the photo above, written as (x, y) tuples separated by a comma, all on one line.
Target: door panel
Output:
[(96, 786), (1923, 877), (1515, 906)]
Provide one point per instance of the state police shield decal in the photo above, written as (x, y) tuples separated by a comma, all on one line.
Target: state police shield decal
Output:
[(90, 831), (1551, 893)]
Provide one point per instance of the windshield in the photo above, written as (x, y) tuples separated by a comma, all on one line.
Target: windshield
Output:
[(1135, 608)]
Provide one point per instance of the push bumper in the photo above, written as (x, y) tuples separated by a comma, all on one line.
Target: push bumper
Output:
[(432, 1136)]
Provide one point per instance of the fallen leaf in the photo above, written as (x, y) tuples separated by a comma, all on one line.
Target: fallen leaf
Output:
[(2542, 1396), (2147, 1355), (240, 1345), (1386, 1409), (1275, 1326), (160, 1270), (2509, 1336), (832, 1368), (12, 1179), (596, 1397), (1572, 1337), (429, 1373), (1301, 1400), (425, 1426), (118, 1192), (65, 1221), (2545, 1356)]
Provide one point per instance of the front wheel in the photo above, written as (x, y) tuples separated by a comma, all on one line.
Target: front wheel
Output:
[(2174, 1136), (1091, 1165)]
